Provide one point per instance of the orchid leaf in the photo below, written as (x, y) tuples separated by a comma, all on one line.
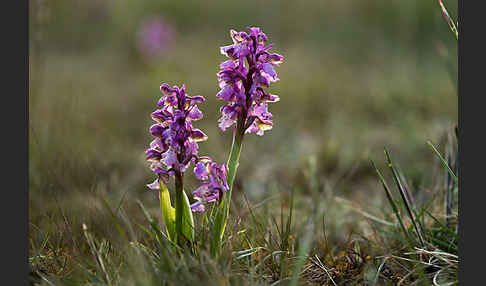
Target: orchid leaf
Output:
[(168, 212), (188, 220), (217, 229)]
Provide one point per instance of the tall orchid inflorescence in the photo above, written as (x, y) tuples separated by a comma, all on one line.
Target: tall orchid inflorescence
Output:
[(242, 79), (242, 83)]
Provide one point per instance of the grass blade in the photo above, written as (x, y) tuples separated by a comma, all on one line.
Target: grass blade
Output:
[(304, 248), (392, 202), (444, 163), (404, 197), (449, 20)]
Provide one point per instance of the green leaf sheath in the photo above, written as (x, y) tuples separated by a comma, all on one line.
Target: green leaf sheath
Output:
[(187, 219), (169, 215), (217, 230), (168, 212)]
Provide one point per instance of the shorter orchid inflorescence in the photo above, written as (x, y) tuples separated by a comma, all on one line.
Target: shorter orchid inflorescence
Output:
[(174, 150), (175, 145)]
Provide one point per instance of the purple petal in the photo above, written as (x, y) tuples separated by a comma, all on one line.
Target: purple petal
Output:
[(227, 64), (268, 69), (154, 185), (166, 89), (254, 31), (170, 158), (191, 149), (197, 99), (157, 130), (262, 79), (271, 97), (228, 51), (262, 49), (275, 59), (227, 93), (230, 110), (261, 110), (254, 129), (197, 207), (243, 36), (195, 113), (182, 91), (225, 122), (241, 50), (170, 99), (201, 171), (202, 191), (198, 135), (152, 155), (159, 116), (159, 170), (156, 143)]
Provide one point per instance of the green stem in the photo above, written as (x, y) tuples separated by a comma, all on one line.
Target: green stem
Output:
[(222, 212), (179, 200), (233, 162)]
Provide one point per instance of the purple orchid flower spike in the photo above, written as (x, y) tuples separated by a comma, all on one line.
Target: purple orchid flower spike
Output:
[(173, 150), (242, 82), (242, 79), (175, 145)]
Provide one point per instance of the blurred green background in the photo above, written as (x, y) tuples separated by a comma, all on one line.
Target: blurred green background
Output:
[(357, 76)]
